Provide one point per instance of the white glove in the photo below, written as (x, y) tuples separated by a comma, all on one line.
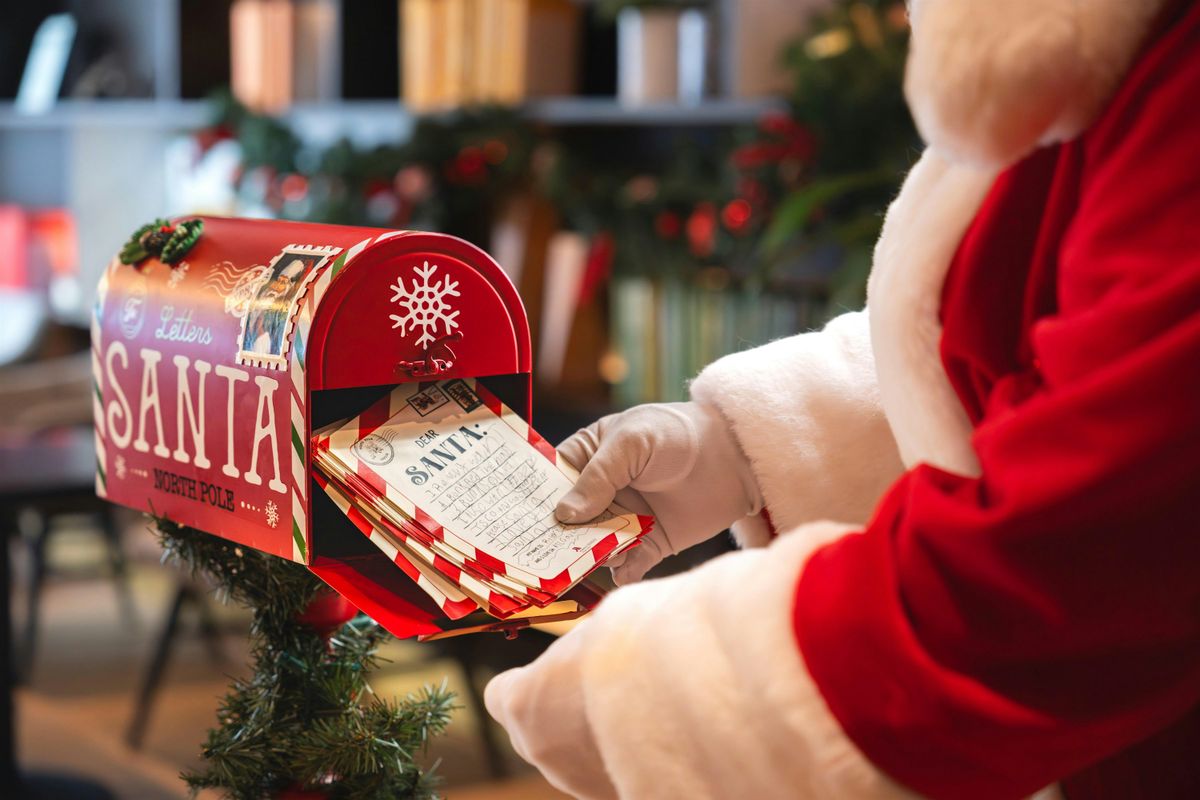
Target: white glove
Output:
[(676, 461)]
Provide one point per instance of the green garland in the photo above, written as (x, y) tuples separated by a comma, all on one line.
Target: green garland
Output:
[(306, 720)]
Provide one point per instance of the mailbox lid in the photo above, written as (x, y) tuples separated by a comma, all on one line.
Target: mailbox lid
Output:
[(409, 297)]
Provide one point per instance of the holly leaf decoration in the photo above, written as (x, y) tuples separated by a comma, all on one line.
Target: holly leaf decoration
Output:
[(160, 238), (182, 240), (134, 251)]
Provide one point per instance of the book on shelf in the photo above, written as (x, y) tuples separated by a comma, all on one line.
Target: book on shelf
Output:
[(418, 56), (46, 64), (282, 51), (260, 53), (665, 330), (647, 54), (459, 492), (453, 49), (761, 31), (317, 71), (693, 57), (662, 55), (546, 65), (456, 52), (566, 261)]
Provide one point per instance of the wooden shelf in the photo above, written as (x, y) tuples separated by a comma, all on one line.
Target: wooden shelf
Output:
[(67, 114), (367, 123), (605, 111), (375, 121)]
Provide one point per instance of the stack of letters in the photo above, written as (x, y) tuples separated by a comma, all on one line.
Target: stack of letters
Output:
[(460, 492)]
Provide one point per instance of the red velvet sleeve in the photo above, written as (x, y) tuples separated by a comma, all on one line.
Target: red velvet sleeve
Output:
[(985, 637)]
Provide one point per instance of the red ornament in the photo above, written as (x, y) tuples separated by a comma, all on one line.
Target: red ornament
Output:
[(779, 124), (785, 139), (736, 215), (470, 166), (702, 229), (327, 612), (757, 154), (667, 224), (293, 188), (495, 151)]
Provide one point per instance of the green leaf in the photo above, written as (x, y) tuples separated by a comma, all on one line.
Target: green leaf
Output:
[(797, 209)]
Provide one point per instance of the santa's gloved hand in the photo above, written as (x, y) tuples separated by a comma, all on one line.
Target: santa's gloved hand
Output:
[(677, 461)]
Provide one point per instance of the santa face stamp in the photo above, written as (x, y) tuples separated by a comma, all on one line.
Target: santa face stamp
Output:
[(462, 394), (271, 312), (427, 401)]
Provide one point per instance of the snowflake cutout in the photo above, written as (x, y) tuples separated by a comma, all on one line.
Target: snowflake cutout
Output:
[(119, 466), (424, 305), (177, 275), (272, 512)]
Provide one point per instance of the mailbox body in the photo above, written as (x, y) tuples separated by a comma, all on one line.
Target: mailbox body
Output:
[(211, 375)]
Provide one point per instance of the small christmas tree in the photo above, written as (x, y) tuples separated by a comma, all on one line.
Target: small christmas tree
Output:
[(305, 724)]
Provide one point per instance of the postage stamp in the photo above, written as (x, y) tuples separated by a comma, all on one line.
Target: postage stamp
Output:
[(271, 313), (428, 400), (462, 394)]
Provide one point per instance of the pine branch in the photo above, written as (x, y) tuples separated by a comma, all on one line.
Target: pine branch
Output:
[(306, 717)]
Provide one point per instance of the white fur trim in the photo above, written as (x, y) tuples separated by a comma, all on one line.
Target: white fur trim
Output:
[(683, 698), (751, 531), (806, 412), (989, 81), (920, 235)]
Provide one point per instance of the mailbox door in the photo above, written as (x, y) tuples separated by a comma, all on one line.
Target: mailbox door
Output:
[(403, 304), (413, 297)]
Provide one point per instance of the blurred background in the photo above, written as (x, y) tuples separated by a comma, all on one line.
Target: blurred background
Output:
[(664, 181)]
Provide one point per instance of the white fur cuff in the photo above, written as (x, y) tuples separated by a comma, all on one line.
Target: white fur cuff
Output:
[(687, 700), (806, 412), (752, 531)]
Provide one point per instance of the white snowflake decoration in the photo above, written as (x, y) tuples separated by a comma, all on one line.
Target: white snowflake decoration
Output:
[(424, 305), (272, 512), (120, 467), (177, 275)]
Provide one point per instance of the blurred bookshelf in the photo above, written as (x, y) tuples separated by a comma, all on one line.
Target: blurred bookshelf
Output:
[(104, 155)]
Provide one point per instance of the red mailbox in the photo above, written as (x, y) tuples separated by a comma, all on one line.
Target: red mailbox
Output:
[(211, 373)]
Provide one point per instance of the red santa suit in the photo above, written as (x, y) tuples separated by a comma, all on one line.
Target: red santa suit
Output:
[(1009, 440)]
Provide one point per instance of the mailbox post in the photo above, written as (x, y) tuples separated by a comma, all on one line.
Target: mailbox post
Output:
[(212, 372)]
